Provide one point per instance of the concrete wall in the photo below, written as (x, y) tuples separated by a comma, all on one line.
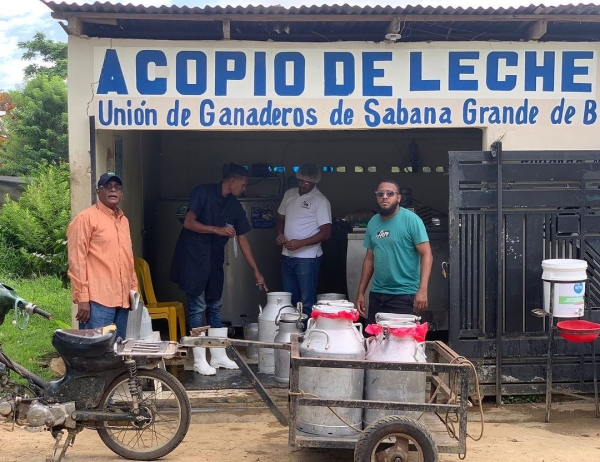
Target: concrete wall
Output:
[(13, 186)]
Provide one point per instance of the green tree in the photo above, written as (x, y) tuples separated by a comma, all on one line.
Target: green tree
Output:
[(36, 128), (35, 226), (53, 54), (5, 106)]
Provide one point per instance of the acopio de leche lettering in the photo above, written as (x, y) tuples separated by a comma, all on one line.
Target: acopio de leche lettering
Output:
[(361, 74)]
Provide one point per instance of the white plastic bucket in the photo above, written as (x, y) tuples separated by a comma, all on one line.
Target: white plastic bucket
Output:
[(568, 296)]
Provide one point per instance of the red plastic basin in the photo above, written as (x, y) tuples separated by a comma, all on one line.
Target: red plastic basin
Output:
[(579, 330)]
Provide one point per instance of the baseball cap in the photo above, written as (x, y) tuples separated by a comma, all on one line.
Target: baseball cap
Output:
[(109, 176)]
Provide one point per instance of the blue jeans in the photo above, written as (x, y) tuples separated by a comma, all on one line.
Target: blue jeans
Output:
[(198, 306), (301, 277), (101, 316)]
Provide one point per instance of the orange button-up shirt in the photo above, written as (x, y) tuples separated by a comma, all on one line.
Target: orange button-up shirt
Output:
[(101, 264)]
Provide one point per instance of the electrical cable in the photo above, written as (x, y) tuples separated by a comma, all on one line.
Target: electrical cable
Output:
[(454, 391)]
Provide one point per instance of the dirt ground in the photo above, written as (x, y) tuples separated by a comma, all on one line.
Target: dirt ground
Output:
[(512, 433)]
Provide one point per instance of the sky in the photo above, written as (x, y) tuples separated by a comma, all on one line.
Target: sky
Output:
[(21, 19)]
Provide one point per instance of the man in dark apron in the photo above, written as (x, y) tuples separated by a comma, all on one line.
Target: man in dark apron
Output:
[(213, 217)]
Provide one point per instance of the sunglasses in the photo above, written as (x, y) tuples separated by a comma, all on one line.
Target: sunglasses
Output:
[(112, 187), (388, 193)]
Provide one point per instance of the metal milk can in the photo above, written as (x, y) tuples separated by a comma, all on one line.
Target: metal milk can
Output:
[(330, 296), (267, 328), (251, 333), (289, 323), (332, 333), (399, 338)]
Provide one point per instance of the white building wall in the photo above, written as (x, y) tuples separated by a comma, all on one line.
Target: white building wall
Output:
[(84, 69)]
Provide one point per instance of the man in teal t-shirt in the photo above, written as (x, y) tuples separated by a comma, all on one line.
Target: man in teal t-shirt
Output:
[(398, 257)]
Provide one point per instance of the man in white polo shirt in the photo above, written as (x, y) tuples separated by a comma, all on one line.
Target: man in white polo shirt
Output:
[(304, 222)]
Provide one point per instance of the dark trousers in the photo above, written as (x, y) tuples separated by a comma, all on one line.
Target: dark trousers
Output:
[(388, 303)]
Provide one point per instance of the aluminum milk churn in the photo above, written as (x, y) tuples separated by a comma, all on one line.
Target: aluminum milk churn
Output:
[(331, 333), (267, 328), (251, 333), (398, 338), (330, 296), (289, 323)]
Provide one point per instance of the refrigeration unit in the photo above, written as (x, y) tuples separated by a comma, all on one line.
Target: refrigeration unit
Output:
[(240, 294)]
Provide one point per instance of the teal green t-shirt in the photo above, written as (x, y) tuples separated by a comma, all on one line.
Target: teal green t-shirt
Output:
[(397, 264)]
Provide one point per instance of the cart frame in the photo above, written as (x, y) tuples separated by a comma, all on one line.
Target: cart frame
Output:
[(444, 361)]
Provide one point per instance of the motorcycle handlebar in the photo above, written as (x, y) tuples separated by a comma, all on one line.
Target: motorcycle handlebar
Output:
[(34, 309)]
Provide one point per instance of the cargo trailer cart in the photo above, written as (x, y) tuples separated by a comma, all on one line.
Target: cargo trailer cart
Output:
[(441, 425)]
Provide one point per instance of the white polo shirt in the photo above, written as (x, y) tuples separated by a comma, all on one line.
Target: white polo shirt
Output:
[(303, 217)]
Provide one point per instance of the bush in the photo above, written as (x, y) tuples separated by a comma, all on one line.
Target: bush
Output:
[(33, 228), (11, 261)]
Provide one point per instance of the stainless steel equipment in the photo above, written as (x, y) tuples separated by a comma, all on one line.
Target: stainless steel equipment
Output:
[(395, 342), (289, 323), (330, 296), (278, 302), (334, 336), (354, 260), (251, 333), (240, 294)]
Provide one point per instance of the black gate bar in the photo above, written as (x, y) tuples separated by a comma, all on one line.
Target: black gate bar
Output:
[(497, 153)]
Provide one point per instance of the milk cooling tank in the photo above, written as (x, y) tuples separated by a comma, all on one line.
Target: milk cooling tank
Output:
[(240, 294)]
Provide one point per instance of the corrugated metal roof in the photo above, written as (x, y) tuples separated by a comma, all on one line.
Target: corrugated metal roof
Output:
[(105, 7), (321, 23)]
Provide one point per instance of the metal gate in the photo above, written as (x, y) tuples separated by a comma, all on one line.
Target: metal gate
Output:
[(550, 202)]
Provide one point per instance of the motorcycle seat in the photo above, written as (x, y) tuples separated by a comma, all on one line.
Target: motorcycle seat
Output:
[(83, 343)]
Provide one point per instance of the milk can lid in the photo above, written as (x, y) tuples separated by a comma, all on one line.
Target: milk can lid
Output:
[(292, 317), (333, 306), (396, 318)]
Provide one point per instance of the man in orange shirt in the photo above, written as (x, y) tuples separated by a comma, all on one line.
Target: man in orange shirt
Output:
[(101, 264)]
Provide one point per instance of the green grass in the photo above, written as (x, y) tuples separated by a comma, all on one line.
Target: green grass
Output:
[(30, 346), (523, 399)]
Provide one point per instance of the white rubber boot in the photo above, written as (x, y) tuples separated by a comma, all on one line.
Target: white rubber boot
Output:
[(201, 366), (218, 356)]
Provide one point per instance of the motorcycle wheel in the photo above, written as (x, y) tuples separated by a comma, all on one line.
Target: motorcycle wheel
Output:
[(166, 406)]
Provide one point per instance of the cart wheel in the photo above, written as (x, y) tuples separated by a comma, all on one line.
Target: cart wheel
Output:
[(395, 439)]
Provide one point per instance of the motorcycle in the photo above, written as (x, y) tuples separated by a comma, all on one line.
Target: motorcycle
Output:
[(115, 387)]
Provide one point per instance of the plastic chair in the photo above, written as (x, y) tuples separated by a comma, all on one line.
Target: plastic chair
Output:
[(173, 312)]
